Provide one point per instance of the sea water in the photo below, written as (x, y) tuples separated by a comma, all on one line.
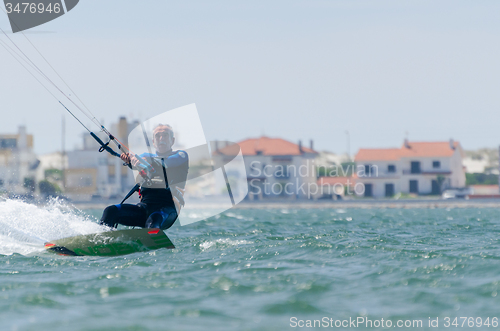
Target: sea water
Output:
[(258, 269)]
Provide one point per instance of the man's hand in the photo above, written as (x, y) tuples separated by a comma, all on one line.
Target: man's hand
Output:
[(125, 158), (134, 161), (176, 201), (129, 159)]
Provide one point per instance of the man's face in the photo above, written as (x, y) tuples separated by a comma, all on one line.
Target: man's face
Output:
[(163, 139)]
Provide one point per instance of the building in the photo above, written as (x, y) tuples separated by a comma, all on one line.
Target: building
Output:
[(51, 168), (18, 162), (414, 168), (335, 187), (328, 159), (482, 161), (484, 191), (277, 168), (90, 174)]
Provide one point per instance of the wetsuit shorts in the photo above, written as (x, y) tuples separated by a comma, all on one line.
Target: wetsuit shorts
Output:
[(142, 215)]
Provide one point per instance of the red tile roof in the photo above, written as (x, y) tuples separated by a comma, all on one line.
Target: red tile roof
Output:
[(416, 149), (429, 149), (269, 146), (389, 154)]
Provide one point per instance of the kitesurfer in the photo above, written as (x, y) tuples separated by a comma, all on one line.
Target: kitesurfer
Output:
[(162, 193)]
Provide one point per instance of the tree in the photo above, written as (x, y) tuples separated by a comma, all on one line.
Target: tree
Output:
[(55, 174), (29, 184), (440, 181), (48, 189), (481, 179)]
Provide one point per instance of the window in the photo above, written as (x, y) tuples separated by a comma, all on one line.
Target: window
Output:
[(368, 190), (86, 181), (391, 168), (389, 190), (370, 170), (415, 167), (436, 188), (436, 164), (367, 170), (281, 171), (255, 186), (8, 143), (413, 186)]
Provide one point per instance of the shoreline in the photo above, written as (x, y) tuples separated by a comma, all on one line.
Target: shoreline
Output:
[(366, 204)]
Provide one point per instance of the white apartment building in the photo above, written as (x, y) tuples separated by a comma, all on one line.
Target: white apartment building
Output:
[(17, 161), (277, 168), (415, 168)]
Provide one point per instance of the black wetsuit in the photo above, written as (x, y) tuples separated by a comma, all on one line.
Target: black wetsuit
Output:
[(157, 208)]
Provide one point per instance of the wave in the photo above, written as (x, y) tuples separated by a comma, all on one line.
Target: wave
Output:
[(24, 227), (223, 243)]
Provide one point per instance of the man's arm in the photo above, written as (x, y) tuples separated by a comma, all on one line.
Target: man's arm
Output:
[(175, 160)]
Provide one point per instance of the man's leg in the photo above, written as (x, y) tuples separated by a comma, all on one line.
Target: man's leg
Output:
[(163, 218), (126, 214)]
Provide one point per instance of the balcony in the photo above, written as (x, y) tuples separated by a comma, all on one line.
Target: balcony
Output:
[(381, 174), (427, 172)]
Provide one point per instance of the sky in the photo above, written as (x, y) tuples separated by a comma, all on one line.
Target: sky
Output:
[(298, 70)]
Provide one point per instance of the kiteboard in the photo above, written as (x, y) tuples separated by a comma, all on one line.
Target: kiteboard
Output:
[(111, 243)]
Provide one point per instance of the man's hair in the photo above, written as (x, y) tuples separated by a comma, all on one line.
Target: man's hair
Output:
[(169, 128)]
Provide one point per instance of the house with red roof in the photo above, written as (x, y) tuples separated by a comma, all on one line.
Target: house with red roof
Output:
[(277, 168), (415, 167)]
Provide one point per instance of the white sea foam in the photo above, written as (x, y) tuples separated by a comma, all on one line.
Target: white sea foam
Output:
[(24, 228), (224, 243)]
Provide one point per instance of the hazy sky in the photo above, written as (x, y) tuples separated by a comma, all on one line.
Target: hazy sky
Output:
[(291, 69)]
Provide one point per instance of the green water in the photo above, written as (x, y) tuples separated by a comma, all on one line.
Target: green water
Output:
[(256, 269)]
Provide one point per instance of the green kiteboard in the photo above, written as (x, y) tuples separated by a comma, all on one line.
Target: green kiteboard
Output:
[(112, 243)]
